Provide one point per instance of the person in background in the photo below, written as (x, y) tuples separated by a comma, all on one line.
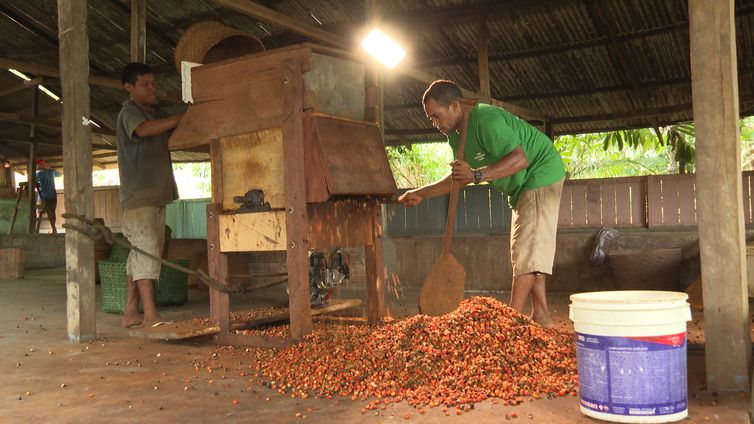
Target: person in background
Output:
[(517, 159), (146, 186), (47, 193)]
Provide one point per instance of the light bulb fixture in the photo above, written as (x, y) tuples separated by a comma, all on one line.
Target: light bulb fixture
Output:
[(383, 48)]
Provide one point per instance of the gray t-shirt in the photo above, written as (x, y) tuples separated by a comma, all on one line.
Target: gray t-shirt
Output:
[(146, 173)]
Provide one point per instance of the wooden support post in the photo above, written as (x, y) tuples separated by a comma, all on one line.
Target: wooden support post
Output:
[(483, 60), (77, 159), (138, 30), (550, 130), (219, 302), (714, 87), (375, 268), (31, 193), (299, 296)]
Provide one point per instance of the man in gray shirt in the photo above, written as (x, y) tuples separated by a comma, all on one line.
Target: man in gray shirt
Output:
[(146, 186)]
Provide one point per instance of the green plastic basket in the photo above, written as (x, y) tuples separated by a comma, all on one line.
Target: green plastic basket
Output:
[(171, 288)]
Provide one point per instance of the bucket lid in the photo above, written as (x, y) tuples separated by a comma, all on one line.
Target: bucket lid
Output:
[(639, 299), (629, 297)]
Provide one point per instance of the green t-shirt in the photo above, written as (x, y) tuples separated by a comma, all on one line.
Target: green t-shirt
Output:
[(493, 133)]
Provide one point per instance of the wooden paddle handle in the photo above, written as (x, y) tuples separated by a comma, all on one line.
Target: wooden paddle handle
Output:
[(454, 186)]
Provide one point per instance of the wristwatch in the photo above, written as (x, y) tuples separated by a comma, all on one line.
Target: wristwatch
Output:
[(477, 176)]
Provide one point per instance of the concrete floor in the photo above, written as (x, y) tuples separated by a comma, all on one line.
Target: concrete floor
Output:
[(121, 379)]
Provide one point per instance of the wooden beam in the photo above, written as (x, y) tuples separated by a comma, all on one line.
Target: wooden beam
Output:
[(95, 80), (482, 62), (77, 150), (714, 87), (48, 144), (21, 86), (138, 30), (268, 15), (19, 119)]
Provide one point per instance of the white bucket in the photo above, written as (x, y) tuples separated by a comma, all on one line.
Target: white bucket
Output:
[(631, 355)]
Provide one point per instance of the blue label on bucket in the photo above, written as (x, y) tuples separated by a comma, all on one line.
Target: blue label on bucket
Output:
[(638, 376)]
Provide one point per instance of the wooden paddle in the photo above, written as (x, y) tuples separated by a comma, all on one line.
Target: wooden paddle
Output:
[(442, 290)]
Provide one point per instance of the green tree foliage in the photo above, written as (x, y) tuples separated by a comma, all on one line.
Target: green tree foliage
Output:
[(419, 164)]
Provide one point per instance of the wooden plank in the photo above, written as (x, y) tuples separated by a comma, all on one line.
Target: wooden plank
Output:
[(670, 201), (252, 232), (622, 203), (316, 185), (578, 204), (212, 120), (565, 213), (295, 201), (473, 209), (219, 302), (594, 204), (77, 150), (376, 273), (499, 212), (609, 213), (138, 30), (251, 78), (253, 161), (198, 327), (180, 330), (654, 201), (714, 87), (748, 192), (638, 192), (687, 200), (353, 155)]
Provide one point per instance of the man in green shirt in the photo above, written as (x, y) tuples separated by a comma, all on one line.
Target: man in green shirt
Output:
[(517, 159)]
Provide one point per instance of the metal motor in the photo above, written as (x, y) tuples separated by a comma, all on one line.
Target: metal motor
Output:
[(327, 270)]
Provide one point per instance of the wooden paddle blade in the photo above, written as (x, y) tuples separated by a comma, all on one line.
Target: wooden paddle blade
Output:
[(442, 290)]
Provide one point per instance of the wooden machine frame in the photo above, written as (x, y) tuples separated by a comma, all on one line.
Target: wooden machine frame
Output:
[(257, 113)]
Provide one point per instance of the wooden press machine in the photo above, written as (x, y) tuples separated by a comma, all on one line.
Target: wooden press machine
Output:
[(288, 125)]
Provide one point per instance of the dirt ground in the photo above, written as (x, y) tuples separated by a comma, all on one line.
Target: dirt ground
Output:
[(120, 379)]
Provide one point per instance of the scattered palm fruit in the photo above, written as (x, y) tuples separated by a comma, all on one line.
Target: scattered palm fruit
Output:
[(483, 349)]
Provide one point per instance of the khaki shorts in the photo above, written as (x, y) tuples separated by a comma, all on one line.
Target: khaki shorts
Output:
[(144, 228), (534, 226)]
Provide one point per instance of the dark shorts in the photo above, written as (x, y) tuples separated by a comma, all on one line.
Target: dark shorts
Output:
[(50, 206)]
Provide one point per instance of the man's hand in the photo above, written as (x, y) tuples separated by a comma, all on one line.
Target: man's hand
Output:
[(410, 198), (462, 172)]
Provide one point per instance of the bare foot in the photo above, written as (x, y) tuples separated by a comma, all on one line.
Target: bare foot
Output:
[(543, 321), (151, 320), (130, 320)]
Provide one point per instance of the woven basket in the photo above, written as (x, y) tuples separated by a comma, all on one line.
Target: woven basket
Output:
[(113, 285), (118, 252), (171, 289), (656, 269), (208, 42)]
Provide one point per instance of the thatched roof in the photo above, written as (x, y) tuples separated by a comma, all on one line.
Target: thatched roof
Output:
[(587, 65)]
